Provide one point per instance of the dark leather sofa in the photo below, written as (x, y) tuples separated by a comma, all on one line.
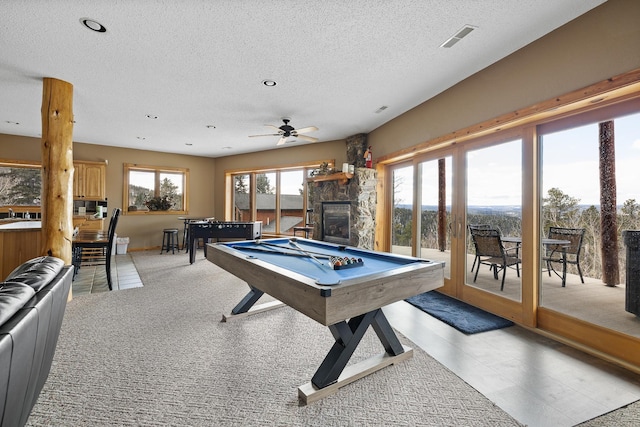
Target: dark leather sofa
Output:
[(33, 299)]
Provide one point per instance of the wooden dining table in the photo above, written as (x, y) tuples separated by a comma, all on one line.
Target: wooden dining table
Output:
[(556, 244)]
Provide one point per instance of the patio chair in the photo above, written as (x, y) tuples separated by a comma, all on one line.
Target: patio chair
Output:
[(490, 251), (476, 227), (554, 253)]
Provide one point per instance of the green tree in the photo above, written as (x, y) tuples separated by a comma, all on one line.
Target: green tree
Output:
[(240, 184), (263, 186), (590, 255), (402, 233), (25, 187), (138, 195), (629, 217), (5, 185), (169, 190), (560, 209)]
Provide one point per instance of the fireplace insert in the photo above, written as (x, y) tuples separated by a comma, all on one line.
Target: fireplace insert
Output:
[(336, 222)]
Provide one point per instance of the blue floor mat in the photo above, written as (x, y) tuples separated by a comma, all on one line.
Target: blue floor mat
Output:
[(462, 316)]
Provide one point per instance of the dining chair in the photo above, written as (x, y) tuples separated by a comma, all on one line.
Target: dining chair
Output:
[(564, 254), (100, 253), (476, 227), (491, 251)]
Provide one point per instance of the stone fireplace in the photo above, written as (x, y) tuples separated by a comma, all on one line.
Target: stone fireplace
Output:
[(344, 210)]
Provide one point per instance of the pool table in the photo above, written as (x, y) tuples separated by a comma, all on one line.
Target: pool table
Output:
[(346, 296)]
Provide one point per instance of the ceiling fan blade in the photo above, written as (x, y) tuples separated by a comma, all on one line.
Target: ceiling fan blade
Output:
[(266, 134), (308, 138), (276, 128), (307, 129), (282, 140)]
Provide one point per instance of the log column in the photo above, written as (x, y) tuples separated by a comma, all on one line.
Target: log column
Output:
[(442, 205), (57, 168), (608, 205)]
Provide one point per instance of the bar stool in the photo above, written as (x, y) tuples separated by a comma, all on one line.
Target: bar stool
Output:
[(185, 234), (169, 240)]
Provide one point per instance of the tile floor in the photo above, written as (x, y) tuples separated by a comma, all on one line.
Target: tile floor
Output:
[(94, 279), (536, 380)]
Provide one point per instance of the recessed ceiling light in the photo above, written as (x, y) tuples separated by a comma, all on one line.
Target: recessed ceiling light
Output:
[(211, 127), (151, 116), (226, 148), (188, 143), (269, 83), (141, 138), (93, 25), (12, 123)]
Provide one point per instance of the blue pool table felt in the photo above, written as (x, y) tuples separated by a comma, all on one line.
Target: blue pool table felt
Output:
[(325, 275)]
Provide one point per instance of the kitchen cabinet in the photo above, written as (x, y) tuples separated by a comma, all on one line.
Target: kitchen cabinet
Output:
[(88, 223), (89, 180), (19, 242)]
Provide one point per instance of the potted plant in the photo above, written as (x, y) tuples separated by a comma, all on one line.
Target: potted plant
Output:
[(159, 203)]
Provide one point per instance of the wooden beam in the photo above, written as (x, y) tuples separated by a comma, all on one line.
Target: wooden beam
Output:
[(57, 168)]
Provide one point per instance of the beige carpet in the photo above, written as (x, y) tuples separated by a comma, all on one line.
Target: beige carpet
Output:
[(159, 355)]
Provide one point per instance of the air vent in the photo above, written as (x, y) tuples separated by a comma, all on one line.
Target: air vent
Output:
[(463, 32)]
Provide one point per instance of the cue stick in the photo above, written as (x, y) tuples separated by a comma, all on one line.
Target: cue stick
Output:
[(292, 241), (318, 254), (270, 251)]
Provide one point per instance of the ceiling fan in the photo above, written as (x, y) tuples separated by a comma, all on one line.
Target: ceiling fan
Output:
[(285, 131)]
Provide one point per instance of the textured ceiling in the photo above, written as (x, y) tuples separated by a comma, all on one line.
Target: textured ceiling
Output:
[(195, 64)]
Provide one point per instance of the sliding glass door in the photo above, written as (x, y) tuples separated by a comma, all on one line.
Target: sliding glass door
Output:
[(494, 202), (402, 218), (590, 196), (434, 221), (422, 202)]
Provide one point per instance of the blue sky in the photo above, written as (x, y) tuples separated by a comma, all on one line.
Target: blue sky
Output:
[(570, 162)]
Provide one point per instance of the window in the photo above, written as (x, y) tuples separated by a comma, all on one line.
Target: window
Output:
[(155, 189), (241, 200), (292, 212), (20, 184), (278, 197), (20, 189)]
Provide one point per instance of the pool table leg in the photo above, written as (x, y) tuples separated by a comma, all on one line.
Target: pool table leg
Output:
[(246, 307), (247, 302), (348, 336)]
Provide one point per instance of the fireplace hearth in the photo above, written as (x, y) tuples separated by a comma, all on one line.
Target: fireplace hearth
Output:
[(336, 222)]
